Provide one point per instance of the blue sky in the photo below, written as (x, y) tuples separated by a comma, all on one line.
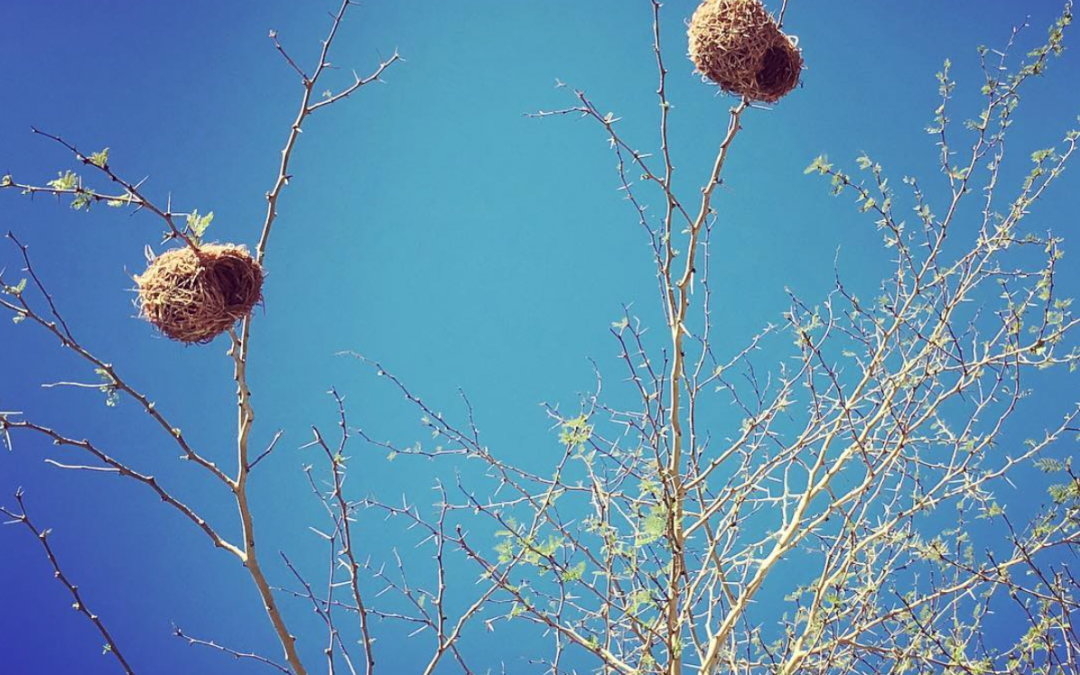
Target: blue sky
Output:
[(430, 224)]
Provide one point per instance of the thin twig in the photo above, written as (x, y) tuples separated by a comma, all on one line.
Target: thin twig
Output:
[(231, 652), (23, 518)]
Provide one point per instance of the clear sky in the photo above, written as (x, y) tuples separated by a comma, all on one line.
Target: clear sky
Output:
[(431, 225)]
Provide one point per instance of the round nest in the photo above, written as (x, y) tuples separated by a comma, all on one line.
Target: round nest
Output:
[(194, 296), (737, 45)]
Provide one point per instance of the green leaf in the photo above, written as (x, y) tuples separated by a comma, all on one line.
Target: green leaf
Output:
[(82, 199), (65, 180), (820, 165), (1049, 465), (1042, 155), (574, 573), (653, 526), (108, 387), (197, 224), (14, 290), (99, 159), (576, 431), (505, 551)]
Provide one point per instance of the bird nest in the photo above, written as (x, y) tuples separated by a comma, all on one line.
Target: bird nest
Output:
[(194, 296), (737, 45)]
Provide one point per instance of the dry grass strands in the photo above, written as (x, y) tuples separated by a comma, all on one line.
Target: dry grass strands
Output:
[(737, 45), (194, 297)]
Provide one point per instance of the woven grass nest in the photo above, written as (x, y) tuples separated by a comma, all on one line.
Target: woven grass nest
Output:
[(737, 45), (193, 297)]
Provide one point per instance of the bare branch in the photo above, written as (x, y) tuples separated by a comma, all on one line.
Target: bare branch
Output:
[(23, 518)]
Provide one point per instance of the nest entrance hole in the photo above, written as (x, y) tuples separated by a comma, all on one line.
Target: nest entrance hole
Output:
[(779, 71), (233, 279)]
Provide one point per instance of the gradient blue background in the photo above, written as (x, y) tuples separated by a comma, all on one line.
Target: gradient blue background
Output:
[(429, 225)]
